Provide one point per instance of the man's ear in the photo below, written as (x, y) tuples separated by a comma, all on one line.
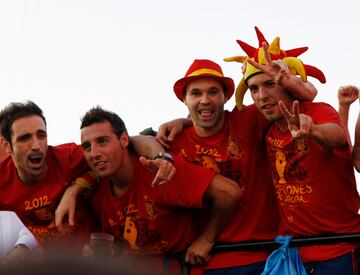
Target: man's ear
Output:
[(124, 139), (5, 148), (184, 96), (184, 99)]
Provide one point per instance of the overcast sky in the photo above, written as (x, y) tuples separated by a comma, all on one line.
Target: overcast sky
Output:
[(70, 55)]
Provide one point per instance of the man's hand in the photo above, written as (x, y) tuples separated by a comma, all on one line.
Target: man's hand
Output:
[(164, 169), (199, 251), (284, 74), (67, 206), (347, 95), (169, 130), (19, 253), (300, 125), (276, 69)]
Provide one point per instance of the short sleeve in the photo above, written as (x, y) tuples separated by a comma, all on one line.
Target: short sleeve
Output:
[(188, 186)]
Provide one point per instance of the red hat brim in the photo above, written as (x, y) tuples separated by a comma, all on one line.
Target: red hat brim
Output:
[(180, 85)]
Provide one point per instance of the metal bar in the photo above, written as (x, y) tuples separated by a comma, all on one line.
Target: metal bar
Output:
[(299, 241), (271, 244)]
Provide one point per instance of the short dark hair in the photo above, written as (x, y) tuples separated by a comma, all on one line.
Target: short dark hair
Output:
[(98, 114), (15, 111)]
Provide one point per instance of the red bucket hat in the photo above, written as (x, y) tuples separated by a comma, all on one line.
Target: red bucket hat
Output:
[(203, 68)]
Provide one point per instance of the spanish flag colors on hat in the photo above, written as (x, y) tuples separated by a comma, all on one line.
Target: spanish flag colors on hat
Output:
[(201, 68), (296, 67)]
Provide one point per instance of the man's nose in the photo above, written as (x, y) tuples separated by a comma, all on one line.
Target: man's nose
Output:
[(35, 144), (263, 93), (94, 152), (205, 98)]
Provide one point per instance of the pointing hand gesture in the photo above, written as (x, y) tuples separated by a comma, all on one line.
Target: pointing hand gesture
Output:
[(164, 169)]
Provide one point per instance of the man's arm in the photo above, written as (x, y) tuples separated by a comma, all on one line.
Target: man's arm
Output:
[(346, 96), (169, 130), (299, 89), (328, 134), (223, 195), (26, 238), (67, 205), (279, 71), (25, 242), (87, 182), (23, 247), (149, 148), (302, 126), (356, 149), (146, 146)]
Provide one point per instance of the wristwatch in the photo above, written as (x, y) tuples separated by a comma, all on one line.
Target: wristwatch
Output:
[(165, 156)]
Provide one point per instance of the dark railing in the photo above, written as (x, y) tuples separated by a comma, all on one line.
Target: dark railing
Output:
[(271, 244), (300, 241)]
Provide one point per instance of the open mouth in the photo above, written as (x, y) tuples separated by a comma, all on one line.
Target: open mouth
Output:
[(35, 159), (100, 164), (206, 113)]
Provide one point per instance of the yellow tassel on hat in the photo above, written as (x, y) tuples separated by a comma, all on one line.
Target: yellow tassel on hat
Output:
[(240, 93), (296, 67), (241, 87)]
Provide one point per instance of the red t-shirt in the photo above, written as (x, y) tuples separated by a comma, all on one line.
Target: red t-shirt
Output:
[(315, 186), (153, 220), (36, 204), (238, 151)]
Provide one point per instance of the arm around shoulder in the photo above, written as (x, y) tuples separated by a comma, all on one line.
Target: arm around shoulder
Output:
[(304, 91), (146, 146), (169, 130)]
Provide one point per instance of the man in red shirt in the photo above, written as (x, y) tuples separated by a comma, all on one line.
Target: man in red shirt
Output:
[(311, 164), (230, 143), (34, 176), (152, 221)]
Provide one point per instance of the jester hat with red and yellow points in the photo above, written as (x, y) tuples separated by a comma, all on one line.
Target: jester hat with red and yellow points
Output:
[(296, 67)]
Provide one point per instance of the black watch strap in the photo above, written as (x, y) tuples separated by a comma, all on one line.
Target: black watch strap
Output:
[(165, 156)]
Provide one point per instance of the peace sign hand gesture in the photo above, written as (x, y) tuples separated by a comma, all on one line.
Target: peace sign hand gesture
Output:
[(300, 125), (276, 69)]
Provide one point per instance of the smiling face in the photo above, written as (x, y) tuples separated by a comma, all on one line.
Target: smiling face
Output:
[(103, 150), (205, 99), (29, 148), (266, 95)]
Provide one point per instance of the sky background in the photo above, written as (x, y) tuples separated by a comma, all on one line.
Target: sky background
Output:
[(70, 55)]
